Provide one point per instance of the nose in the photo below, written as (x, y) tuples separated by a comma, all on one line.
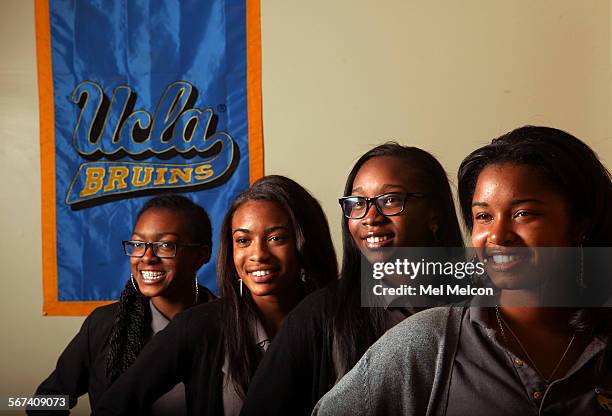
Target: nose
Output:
[(259, 251), (501, 232), (372, 216), (149, 256)]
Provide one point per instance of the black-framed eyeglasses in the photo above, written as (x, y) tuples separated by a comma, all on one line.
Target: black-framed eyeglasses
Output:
[(161, 249), (389, 204)]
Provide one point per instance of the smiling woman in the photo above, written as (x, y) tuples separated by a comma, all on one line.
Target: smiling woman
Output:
[(275, 248), (395, 196), (529, 190), (170, 242)]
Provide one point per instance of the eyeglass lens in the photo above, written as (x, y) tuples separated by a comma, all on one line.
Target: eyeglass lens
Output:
[(160, 248), (387, 204)]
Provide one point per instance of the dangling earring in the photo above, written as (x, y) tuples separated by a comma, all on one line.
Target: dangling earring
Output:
[(240, 280), (580, 278), (134, 283), (475, 278), (197, 294), (434, 231), (303, 275)]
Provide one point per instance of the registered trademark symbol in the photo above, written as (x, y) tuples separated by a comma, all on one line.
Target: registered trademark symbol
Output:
[(221, 108)]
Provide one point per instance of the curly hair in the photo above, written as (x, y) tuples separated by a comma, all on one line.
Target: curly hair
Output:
[(131, 328)]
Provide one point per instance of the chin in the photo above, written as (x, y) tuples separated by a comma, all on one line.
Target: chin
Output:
[(378, 255)]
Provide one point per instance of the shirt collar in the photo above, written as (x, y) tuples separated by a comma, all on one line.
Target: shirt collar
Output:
[(158, 321)]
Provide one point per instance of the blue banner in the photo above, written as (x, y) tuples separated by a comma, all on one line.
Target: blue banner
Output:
[(138, 98)]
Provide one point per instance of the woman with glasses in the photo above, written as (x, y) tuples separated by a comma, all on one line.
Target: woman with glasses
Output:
[(395, 196), (170, 242), (275, 248), (538, 204)]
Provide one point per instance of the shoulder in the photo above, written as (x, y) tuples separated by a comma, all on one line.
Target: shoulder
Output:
[(203, 317), (101, 319), (421, 336), (102, 313), (315, 303)]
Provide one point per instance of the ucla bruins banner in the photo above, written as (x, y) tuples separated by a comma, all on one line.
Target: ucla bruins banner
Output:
[(138, 98)]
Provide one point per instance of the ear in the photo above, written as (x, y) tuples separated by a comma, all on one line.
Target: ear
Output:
[(433, 222), (203, 255), (579, 231)]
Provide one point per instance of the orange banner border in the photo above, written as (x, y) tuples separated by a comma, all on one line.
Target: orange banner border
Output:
[(51, 304)]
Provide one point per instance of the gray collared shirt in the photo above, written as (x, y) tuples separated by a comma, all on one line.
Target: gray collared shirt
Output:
[(173, 402), (488, 379), (232, 402)]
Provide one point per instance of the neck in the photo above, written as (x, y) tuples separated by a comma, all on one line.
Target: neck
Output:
[(555, 319), (274, 309), (170, 306)]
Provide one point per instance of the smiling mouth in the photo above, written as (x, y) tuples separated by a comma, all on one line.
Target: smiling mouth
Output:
[(149, 276), (380, 240), (262, 275), (502, 259), (506, 262)]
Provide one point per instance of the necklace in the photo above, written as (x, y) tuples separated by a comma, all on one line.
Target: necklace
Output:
[(501, 322)]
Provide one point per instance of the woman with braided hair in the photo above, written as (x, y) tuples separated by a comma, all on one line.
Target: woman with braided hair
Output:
[(171, 240), (274, 249)]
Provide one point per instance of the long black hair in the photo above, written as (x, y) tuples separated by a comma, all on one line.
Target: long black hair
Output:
[(131, 328), (315, 254), (573, 169), (356, 328)]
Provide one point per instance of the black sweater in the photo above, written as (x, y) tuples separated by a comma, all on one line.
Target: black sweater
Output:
[(188, 350), (298, 368), (81, 368)]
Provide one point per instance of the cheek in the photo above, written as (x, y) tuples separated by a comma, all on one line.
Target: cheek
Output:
[(353, 227), (238, 261), (479, 236)]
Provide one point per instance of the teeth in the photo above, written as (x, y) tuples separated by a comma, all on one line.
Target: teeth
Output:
[(504, 259), (260, 273), (151, 276), (377, 239)]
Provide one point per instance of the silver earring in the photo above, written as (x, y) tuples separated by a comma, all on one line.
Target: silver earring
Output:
[(134, 283), (197, 294), (435, 235), (303, 275), (580, 279), (240, 280)]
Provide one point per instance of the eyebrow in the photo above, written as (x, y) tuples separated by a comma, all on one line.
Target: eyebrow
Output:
[(384, 187), (156, 236), (516, 201), (267, 230)]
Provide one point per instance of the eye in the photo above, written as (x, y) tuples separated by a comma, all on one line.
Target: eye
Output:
[(242, 241), (136, 244), (278, 238), (165, 244), (482, 217), (525, 214)]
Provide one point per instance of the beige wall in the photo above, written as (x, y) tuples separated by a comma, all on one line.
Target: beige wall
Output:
[(338, 77)]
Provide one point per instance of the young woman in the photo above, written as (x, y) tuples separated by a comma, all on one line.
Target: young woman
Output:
[(328, 332), (529, 190), (275, 248), (170, 242)]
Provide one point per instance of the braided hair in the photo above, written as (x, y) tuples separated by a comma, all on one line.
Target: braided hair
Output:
[(132, 323)]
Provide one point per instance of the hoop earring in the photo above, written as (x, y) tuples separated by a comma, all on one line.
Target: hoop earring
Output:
[(197, 294), (580, 277), (435, 235), (240, 280), (134, 283), (475, 278), (303, 275)]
